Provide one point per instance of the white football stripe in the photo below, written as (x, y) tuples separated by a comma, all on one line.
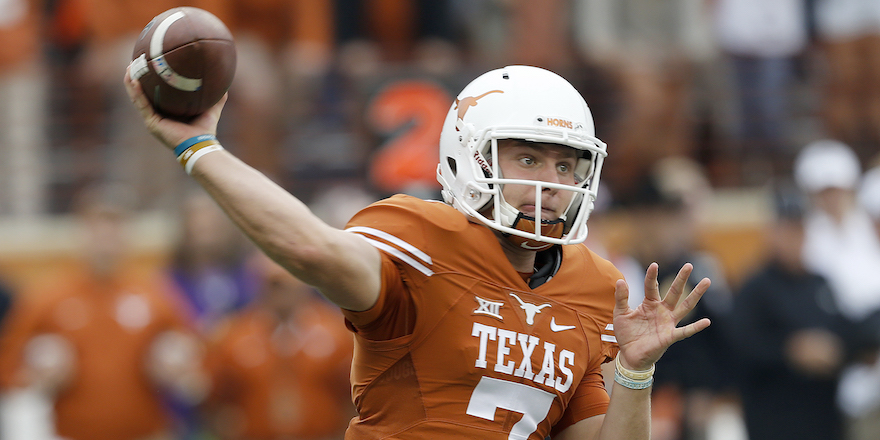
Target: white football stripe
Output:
[(608, 338), (138, 67), (400, 255), (158, 39), (394, 240), (157, 58), (609, 327)]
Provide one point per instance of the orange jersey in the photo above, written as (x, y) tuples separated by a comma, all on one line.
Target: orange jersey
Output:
[(283, 380), (458, 346), (111, 325)]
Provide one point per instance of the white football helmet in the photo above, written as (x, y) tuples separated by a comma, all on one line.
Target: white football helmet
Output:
[(531, 104)]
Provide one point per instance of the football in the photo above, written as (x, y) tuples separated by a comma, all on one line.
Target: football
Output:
[(185, 61)]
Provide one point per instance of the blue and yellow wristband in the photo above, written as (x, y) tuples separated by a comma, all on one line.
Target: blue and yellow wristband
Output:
[(192, 149)]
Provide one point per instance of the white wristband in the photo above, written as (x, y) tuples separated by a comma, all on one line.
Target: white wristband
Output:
[(191, 160), (632, 374)]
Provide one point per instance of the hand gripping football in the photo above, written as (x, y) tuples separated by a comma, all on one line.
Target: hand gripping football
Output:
[(185, 61)]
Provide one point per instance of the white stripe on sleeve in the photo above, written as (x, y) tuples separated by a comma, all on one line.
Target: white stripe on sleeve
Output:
[(400, 255), (394, 240)]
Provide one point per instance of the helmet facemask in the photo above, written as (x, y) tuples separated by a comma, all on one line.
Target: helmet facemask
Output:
[(524, 230)]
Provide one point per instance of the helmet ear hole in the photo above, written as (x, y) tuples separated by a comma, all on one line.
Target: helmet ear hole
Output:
[(452, 165)]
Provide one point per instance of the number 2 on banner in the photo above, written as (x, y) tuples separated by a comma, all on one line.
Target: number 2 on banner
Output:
[(409, 159), (492, 394)]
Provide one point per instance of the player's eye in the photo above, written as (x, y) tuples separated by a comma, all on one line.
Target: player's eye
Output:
[(527, 160)]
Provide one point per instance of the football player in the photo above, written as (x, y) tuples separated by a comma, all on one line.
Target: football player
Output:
[(484, 315)]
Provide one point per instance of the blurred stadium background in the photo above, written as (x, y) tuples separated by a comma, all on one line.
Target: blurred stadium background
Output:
[(352, 93)]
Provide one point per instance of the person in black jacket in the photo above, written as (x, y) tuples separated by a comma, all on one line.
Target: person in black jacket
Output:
[(787, 339)]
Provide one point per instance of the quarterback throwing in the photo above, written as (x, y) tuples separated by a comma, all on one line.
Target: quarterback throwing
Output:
[(482, 315)]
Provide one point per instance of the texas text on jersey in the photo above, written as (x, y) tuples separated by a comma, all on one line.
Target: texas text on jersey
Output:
[(459, 346)]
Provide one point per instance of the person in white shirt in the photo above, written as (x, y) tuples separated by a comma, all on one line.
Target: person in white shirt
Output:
[(842, 245)]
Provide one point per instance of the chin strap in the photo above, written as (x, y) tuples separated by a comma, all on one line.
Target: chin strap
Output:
[(549, 228)]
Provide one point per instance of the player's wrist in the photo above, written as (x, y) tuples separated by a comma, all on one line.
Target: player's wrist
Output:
[(632, 379), (631, 372), (191, 150)]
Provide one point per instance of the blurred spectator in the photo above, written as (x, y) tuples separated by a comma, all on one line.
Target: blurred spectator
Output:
[(22, 110), (656, 51), (842, 245), (667, 211), (788, 338), (762, 41), (840, 241), (281, 367), (106, 341), (209, 263), (849, 34)]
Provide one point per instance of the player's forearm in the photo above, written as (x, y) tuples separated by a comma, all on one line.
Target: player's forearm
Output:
[(269, 215), (628, 416), (287, 231)]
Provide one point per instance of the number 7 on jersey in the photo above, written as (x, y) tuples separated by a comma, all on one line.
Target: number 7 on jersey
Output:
[(491, 394)]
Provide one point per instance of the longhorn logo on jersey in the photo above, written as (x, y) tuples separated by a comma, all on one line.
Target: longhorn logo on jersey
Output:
[(530, 309)]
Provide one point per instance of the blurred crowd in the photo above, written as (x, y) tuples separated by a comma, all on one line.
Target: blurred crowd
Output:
[(341, 102)]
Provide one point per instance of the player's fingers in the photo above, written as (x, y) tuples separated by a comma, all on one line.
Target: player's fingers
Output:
[(692, 299), (621, 296), (136, 95), (673, 295), (691, 329), (131, 86), (652, 287)]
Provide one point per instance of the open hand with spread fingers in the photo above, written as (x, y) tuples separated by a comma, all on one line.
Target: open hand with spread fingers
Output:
[(644, 333)]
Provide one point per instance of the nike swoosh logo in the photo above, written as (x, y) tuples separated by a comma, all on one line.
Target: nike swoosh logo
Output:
[(558, 328)]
